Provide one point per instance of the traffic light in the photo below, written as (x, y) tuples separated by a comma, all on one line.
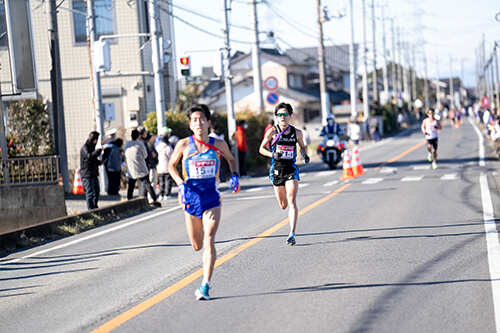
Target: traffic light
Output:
[(185, 66)]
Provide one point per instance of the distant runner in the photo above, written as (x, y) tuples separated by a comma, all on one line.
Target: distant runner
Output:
[(430, 127), (284, 174), (198, 187)]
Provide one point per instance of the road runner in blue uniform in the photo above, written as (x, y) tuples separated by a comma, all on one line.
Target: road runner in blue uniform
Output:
[(198, 187), (282, 141)]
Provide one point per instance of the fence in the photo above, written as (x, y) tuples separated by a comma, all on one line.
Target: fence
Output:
[(23, 171)]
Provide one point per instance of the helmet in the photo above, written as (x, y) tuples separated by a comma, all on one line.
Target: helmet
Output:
[(173, 140)]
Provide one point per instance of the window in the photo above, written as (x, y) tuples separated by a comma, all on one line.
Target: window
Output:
[(104, 19), (3, 27)]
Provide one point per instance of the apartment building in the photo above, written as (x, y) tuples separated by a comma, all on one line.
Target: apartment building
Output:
[(127, 90)]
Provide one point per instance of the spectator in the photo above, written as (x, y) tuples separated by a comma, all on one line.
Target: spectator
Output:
[(89, 169), (137, 168), (241, 142), (495, 130), (110, 138), (374, 130), (355, 131), (153, 162), (114, 167), (165, 149), (166, 131), (216, 133)]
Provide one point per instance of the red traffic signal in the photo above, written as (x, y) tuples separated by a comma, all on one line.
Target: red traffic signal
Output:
[(185, 61)]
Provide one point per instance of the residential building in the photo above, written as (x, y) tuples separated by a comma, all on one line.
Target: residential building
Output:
[(127, 89), (295, 78)]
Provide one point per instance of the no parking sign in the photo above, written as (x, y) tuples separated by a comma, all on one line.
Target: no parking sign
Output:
[(272, 98)]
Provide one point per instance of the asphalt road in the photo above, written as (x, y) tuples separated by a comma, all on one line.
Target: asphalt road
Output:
[(402, 249)]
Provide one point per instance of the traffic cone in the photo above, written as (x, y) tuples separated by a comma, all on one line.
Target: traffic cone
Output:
[(77, 184), (357, 166), (347, 172)]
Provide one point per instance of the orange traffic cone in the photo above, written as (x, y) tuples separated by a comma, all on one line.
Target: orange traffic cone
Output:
[(347, 172), (77, 184), (357, 166)]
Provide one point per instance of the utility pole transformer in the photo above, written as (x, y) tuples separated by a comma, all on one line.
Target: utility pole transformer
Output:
[(157, 59), (257, 74), (228, 77), (325, 98)]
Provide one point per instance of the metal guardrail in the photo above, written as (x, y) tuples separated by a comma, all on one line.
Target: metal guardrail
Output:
[(23, 171)]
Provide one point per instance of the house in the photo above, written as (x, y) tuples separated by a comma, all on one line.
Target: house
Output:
[(295, 78), (128, 88)]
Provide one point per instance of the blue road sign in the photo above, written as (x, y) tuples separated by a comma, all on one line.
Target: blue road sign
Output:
[(272, 98)]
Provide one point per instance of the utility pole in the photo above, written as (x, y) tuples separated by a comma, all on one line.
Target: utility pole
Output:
[(393, 65), (414, 77), (484, 65), (452, 98), (96, 88), (401, 78), (366, 110), (496, 72), (426, 84), (405, 71), (57, 100), (157, 58), (374, 75), (384, 41), (438, 86), (325, 97), (257, 74), (228, 77), (352, 65)]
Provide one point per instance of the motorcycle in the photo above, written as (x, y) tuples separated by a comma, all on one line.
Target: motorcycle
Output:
[(331, 149)]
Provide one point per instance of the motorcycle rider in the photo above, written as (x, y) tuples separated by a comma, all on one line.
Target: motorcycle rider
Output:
[(331, 126)]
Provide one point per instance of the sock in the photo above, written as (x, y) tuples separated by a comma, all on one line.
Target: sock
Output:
[(205, 281), (292, 234)]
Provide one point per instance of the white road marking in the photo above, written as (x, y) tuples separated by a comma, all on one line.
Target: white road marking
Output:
[(301, 185), (372, 181), (493, 246), (256, 189), (325, 173), (388, 170), (412, 178), (450, 176), (255, 197), (331, 183), (79, 240), (481, 141), (422, 167)]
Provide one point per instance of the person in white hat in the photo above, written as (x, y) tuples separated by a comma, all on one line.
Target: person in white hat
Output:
[(108, 145)]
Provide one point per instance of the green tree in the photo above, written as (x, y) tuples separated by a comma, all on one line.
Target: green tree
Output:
[(29, 126)]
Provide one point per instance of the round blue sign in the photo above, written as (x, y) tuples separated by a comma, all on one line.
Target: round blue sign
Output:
[(272, 98)]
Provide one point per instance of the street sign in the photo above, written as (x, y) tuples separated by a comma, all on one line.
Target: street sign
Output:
[(271, 83), (272, 98)]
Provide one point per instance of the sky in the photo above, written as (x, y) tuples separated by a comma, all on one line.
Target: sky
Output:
[(447, 32)]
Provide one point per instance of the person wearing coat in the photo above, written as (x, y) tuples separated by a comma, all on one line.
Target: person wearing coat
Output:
[(89, 169), (114, 167)]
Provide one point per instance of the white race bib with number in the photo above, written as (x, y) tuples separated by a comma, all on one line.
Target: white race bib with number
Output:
[(202, 169), (287, 151)]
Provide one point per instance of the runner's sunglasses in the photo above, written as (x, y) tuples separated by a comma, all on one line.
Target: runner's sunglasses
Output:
[(285, 114)]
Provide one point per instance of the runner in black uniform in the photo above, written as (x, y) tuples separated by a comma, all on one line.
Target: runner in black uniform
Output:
[(284, 174)]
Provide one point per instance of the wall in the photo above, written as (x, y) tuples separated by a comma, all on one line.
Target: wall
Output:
[(23, 207)]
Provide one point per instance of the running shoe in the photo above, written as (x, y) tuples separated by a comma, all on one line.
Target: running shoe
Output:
[(434, 165), (429, 157), (202, 292), (290, 240)]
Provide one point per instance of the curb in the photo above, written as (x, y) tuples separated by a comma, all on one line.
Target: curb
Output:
[(24, 237)]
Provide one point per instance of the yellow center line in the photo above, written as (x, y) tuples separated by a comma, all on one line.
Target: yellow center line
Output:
[(140, 308), (394, 159)]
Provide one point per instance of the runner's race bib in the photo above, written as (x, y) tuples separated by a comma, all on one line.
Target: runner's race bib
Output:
[(287, 151), (202, 169)]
